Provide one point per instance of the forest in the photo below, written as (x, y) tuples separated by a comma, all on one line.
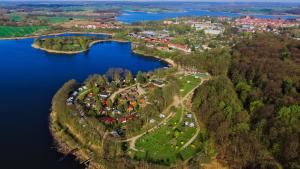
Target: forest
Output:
[(251, 106), (266, 74), (76, 43)]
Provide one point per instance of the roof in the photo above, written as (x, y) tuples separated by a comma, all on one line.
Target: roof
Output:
[(108, 120)]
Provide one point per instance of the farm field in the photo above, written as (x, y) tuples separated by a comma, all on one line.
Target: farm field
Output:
[(16, 18), (14, 31), (164, 144)]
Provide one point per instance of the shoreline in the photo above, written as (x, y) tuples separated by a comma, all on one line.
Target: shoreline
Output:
[(80, 51), (67, 148), (56, 51), (50, 34), (167, 60)]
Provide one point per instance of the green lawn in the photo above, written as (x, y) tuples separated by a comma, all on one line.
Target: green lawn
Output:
[(201, 144), (18, 31), (163, 145), (55, 19), (187, 83), (58, 19), (16, 18)]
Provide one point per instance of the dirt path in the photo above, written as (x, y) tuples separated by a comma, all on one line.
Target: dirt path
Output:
[(176, 101), (112, 97), (194, 115), (132, 140)]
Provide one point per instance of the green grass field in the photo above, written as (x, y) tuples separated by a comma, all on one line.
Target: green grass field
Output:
[(18, 31), (187, 83), (55, 19), (163, 145), (16, 18)]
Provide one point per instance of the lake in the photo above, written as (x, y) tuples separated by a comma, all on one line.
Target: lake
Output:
[(131, 17), (30, 78)]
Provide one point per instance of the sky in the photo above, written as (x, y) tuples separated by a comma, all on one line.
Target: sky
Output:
[(170, 0)]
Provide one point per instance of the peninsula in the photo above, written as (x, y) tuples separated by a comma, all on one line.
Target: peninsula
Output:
[(66, 45), (180, 116)]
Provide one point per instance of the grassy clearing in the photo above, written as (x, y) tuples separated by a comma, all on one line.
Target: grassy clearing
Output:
[(163, 145), (18, 31), (187, 83)]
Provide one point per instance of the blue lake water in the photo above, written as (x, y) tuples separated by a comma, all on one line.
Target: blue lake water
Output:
[(131, 17), (30, 78)]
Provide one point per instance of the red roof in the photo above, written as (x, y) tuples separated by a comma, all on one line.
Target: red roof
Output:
[(108, 120), (130, 117), (90, 94), (122, 120), (105, 102)]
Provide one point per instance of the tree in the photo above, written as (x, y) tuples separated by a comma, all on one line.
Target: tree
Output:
[(109, 103), (128, 77), (140, 78)]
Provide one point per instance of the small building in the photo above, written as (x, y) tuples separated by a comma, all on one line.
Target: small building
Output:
[(70, 101), (183, 48), (90, 94), (75, 93), (114, 112), (192, 124), (189, 115), (130, 117), (162, 116), (152, 121), (103, 95), (108, 120), (122, 120)]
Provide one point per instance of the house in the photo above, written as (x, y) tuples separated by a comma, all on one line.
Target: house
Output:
[(133, 103), (108, 120), (130, 108), (183, 48), (142, 101), (189, 115), (122, 120), (130, 117)]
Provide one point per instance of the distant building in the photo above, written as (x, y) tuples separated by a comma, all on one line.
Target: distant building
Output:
[(251, 24), (183, 48), (209, 28)]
